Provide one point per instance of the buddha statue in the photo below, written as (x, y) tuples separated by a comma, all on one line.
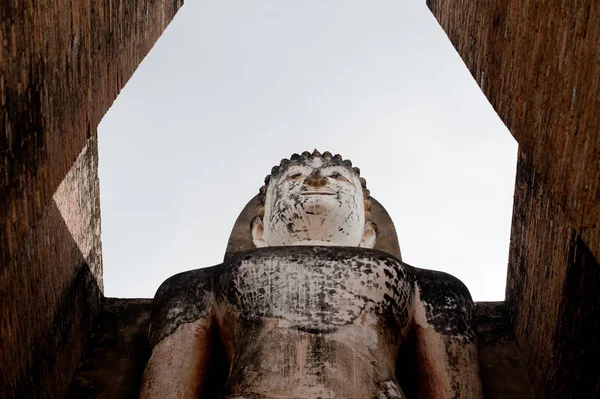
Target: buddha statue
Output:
[(315, 309)]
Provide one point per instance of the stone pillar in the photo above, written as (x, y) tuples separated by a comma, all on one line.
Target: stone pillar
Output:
[(62, 65), (538, 64)]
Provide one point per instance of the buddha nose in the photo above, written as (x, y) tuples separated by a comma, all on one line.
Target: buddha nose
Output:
[(316, 179)]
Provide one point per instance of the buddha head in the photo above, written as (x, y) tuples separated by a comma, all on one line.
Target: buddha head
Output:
[(314, 199)]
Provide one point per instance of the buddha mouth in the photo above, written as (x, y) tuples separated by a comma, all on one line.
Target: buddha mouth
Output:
[(318, 193)]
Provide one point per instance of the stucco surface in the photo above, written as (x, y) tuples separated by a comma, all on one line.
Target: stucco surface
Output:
[(315, 321), (116, 354)]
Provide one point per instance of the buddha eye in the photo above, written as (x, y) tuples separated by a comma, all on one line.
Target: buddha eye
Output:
[(291, 177), (338, 176)]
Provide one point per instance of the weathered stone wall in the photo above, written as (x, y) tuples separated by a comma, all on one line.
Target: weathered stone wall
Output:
[(62, 64), (501, 365), (115, 357), (553, 293), (51, 288), (539, 65)]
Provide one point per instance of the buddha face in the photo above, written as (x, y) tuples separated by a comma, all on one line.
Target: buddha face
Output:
[(314, 201)]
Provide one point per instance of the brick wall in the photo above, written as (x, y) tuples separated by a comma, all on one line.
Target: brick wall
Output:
[(552, 293), (538, 63), (62, 65)]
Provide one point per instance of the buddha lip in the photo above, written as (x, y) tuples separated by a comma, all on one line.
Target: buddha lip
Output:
[(318, 193)]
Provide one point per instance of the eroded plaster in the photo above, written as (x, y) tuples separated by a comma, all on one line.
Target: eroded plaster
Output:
[(313, 312)]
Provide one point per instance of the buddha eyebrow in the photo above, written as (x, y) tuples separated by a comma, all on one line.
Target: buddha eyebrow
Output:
[(288, 174), (336, 169), (296, 169)]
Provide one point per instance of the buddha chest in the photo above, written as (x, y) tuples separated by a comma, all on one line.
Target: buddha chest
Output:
[(316, 289)]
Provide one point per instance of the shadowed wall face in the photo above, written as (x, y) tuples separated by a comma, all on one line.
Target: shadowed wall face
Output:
[(62, 65), (552, 292), (539, 66), (51, 289)]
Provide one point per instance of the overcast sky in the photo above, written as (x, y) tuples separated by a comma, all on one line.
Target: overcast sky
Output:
[(232, 87)]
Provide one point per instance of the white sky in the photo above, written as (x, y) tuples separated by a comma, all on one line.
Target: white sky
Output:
[(234, 86)]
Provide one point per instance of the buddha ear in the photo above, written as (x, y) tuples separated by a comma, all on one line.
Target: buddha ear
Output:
[(369, 235), (257, 228)]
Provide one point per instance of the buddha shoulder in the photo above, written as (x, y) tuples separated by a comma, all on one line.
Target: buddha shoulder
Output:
[(183, 298)]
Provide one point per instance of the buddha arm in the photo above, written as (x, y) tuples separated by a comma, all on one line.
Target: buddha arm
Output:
[(179, 363), (446, 350), (181, 336)]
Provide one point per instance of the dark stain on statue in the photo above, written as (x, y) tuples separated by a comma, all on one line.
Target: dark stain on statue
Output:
[(448, 304)]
